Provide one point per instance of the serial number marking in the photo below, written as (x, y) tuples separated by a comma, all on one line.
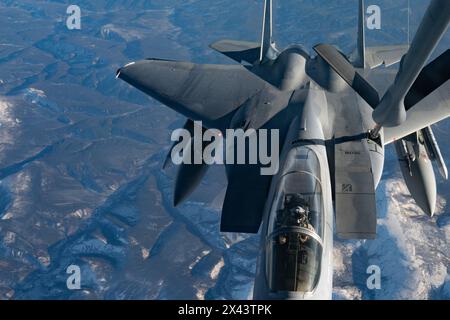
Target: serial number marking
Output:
[(252, 309), (356, 153)]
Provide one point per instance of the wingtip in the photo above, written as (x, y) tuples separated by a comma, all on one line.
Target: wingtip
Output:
[(119, 71)]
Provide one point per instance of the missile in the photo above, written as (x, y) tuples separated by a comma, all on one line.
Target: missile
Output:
[(417, 170), (434, 151)]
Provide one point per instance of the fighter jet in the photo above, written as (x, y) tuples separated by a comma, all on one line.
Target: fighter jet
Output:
[(333, 128)]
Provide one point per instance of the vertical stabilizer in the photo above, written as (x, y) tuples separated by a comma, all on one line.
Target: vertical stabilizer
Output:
[(268, 50), (361, 58)]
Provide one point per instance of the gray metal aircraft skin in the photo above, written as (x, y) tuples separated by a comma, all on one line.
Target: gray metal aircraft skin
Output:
[(333, 130)]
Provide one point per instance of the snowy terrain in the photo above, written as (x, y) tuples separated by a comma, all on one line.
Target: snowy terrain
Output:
[(81, 155)]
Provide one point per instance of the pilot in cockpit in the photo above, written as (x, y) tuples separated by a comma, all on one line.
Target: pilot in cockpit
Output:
[(296, 213)]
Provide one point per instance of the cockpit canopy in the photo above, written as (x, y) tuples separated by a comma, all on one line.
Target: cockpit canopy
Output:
[(295, 230)]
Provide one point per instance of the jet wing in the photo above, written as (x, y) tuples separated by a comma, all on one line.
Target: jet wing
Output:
[(207, 93), (387, 55)]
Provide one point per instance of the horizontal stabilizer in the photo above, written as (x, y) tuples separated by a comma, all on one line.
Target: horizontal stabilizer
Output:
[(387, 56), (240, 51), (207, 93), (346, 70)]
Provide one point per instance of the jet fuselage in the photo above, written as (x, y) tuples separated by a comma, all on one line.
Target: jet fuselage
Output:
[(296, 252)]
